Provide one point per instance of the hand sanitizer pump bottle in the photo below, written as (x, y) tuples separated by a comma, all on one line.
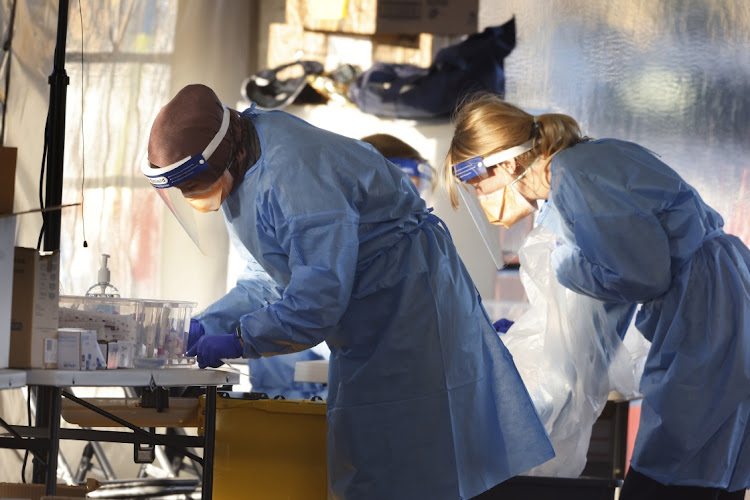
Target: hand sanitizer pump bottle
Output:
[(103, 287)]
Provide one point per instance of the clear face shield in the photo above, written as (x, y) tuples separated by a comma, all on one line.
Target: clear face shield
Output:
[(167, 179), (476, 168), (420, 172)]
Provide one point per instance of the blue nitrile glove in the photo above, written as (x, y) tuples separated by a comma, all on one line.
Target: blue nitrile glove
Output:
[(211, 349), (502, 325), (196, 331)]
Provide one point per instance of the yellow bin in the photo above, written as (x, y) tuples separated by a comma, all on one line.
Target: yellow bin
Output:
[(269, 449)]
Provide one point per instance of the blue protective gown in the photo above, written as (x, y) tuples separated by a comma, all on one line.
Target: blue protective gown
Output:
[(635, 232), (273, 375), (424, 400)]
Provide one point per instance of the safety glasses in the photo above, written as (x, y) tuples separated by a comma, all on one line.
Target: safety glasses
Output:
[(477, 166)]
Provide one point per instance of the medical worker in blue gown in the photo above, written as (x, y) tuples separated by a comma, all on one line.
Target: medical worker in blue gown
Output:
[(424, 400), (632, 232), (408, 159), (274, 375)]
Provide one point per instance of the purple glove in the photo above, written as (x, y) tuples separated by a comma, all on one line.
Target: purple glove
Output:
[(196, 331), (211, 349), (502, 325)]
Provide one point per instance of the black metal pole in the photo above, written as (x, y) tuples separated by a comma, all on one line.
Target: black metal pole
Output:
[(48, 400), (54, 440), (58, 81), (43, 398)]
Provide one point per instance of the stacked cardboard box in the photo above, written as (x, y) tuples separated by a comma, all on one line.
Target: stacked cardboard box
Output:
[(369, 17), (362, 32)]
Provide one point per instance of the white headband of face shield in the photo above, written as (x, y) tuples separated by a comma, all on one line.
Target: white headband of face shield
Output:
[(508, 154), (210, 148)]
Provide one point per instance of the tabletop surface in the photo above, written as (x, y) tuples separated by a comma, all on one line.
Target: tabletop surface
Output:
[(133, 377), (10, 379)]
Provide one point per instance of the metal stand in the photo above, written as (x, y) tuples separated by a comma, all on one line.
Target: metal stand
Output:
[(58, 81), (48, 398)]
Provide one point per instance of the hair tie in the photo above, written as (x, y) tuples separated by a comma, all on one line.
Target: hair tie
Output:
[(534, 128)]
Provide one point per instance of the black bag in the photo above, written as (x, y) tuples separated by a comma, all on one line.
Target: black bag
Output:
[(268, 92), (407, 91)]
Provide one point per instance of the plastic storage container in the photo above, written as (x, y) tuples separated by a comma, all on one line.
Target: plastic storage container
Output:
[(163, 329), (279, 445), (114, 319), (158, 328)]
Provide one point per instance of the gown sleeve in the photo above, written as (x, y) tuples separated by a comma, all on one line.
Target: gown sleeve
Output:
[(254, 290), (621, 251), (315, 224)]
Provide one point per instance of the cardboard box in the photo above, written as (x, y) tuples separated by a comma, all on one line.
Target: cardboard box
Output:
[(92, 357), (367, 17), (287, 43), (69, 349), (34, 310), (38, 491), (7, 236), (77, 349), (417, 50), (8, 158)]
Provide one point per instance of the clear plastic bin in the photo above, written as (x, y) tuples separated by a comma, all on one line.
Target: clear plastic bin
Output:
[(113, 318), (163, 329), (159, 328)]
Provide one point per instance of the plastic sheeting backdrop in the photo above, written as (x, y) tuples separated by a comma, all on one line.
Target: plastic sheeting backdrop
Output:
[(672, 76), (125, 71)]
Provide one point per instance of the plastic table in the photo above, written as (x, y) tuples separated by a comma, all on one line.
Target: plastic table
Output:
[(43, 438), (12, 379)]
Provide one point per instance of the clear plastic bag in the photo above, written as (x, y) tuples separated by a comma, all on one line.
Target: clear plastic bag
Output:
[(569, 356)]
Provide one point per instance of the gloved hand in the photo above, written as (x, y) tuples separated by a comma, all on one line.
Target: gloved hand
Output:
[(211, 349), (196, 331), (502, 325)]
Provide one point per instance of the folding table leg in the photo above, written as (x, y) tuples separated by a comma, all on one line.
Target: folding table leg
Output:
[(55, 395), (208, 446)]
